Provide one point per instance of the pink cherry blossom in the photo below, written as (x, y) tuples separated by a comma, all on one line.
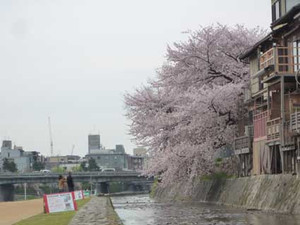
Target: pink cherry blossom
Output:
[(190, 109)]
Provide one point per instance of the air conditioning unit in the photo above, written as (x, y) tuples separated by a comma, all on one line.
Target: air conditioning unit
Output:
[(249, 130)]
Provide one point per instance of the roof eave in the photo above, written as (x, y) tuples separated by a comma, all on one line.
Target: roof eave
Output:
[(255, 46)]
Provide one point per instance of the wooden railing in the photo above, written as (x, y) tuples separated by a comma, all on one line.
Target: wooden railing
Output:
[(242, 145), (267, 59), (286, 60), (273, 129), (295, 122)]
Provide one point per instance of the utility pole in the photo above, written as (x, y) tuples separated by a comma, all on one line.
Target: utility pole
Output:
[(25, 191), (50, 135), (91, 185)]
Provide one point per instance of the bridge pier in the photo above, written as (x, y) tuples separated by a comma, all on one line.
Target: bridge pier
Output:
[(7, 192), (132, 187), (102, 187)]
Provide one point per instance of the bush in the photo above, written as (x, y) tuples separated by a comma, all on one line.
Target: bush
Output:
[(154, 187)]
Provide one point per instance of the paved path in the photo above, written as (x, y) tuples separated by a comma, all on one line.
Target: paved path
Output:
[(12, 212), (98, 211)]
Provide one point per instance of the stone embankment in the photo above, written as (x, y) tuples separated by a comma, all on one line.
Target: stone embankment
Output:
[(99, 210), (276, 193)]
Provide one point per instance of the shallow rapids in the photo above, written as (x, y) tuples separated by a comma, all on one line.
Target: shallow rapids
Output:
[(141, 210)]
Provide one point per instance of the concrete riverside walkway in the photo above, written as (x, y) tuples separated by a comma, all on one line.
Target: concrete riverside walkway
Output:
[(12, 212), (98, 210)]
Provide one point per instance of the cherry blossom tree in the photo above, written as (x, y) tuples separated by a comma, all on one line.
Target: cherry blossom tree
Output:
[(190, 109)]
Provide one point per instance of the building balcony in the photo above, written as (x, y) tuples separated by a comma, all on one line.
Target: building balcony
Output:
[(280, 133), (295, 122), (242, 145), (267, 59), (260, 125), (279, 61), (273, 130)]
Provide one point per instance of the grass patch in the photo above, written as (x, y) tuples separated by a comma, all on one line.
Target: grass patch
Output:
[(112, 216), (61, 218)]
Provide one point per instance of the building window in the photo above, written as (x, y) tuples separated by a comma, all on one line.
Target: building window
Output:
[(296, 55), (276, 10)]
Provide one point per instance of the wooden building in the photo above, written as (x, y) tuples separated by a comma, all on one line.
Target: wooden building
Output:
[(272, 108)]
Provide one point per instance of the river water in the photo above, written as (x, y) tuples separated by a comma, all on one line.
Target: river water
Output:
[(142, 210)]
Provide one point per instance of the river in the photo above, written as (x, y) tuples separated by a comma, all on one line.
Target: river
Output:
[(142, 210)]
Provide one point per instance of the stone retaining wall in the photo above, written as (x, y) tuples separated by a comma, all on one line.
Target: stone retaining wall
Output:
[(99, 210), (278, 193)]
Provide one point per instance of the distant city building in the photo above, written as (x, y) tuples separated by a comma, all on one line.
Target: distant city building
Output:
[(6, 144), (115, 158), (140, 151), (120, 149), (94, 143), (69, 166), (63, 159), (136, 163), (111, 158), (23, 159), (67, 162)]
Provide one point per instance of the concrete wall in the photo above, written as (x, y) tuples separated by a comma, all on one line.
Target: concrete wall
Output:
[(23, 163), (7, 192), (278, 193), (10, 153)]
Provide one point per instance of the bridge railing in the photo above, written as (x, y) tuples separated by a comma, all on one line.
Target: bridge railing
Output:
[(109, 173)]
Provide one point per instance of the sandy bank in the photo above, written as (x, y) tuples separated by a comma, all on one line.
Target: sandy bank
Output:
[(12, 212)]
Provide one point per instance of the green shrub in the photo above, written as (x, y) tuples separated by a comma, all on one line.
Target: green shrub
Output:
[(153, 188)]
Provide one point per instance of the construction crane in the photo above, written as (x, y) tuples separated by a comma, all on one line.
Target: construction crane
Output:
[(73, 146), (50, 135)]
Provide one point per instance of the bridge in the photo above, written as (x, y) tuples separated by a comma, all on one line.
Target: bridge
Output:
[(101, 179), (96, 177)]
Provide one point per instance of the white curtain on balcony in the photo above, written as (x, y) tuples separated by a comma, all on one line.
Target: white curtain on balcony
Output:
[(266, 159)]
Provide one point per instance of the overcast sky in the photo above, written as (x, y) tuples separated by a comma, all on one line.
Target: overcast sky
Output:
[(73, 60)]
